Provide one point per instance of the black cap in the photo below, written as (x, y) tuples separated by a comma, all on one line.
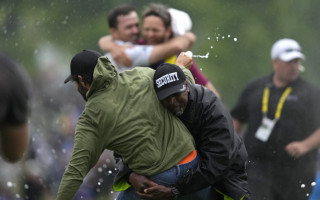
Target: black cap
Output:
[(83, 63), (168, 79)]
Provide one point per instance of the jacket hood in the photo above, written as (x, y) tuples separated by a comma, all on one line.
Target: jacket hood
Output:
[(103, 75)]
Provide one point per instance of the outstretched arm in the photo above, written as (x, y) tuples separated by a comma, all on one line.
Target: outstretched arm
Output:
[(127, 55)]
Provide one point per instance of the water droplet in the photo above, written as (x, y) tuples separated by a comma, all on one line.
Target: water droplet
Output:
[(99, 183), (235, 39), (9, 184), (208, 38), (228, 36), (313, 184), (110, 172), (100, 169), (303, 185), (211, 47), (26, 186)]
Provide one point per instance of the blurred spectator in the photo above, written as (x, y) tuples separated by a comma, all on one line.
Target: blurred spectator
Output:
[(14, 109), (283, 115)]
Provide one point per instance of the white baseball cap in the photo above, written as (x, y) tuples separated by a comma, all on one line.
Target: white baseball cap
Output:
[(286, 50), (180, 21)]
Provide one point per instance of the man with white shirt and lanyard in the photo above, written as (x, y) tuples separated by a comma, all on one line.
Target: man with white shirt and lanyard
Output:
[(282, 112)]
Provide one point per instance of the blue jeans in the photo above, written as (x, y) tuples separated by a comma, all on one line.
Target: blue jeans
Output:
[(167, 178)]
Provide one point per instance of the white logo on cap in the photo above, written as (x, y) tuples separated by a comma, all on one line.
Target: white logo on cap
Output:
[(183, 88), (167, 78)]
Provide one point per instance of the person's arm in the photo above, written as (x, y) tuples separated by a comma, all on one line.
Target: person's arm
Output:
[(140, 182), (240, 112), (211, 87), (126, 176), (297, 149), (107, 44), (214, 145), (144, 55), (87, 150), (172, 47), (237, 125), (201, 79), (14, 141), (184, 62), (215, 149)]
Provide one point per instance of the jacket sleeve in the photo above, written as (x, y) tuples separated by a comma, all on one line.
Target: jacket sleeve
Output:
[(86, 152), (214, 143)]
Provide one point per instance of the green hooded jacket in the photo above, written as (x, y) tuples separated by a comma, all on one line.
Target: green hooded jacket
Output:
[(123, 114)]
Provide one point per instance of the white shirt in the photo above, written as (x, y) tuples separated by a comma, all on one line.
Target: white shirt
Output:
[(139, 54)]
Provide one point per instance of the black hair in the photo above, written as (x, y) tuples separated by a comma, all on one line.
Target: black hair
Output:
[(158, 10), (124, 9)]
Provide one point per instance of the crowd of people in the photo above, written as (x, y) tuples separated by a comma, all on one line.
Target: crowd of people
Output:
[(153, 126)]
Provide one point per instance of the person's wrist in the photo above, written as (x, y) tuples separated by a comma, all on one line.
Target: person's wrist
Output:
[(128, 177), (175, 193)]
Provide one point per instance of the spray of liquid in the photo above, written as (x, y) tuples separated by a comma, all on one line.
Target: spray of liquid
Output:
[(190, 54), (201, 56)]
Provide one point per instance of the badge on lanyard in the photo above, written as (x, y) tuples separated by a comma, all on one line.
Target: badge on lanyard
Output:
[(265, 129)]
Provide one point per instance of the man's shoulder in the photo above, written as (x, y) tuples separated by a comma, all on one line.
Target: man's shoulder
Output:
[(307, 86), (201, 95)]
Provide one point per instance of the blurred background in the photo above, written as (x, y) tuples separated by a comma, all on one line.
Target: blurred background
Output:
[(44, 35)]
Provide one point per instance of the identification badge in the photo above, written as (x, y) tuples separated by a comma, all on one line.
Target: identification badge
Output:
[(264, 131)]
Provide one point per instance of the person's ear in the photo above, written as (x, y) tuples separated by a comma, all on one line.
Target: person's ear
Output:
[(187, 86), (81, 82)]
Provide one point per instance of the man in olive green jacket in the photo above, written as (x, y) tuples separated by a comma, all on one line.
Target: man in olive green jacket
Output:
[(122, 114)]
